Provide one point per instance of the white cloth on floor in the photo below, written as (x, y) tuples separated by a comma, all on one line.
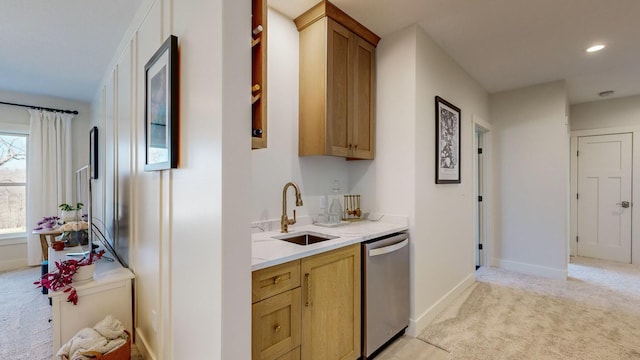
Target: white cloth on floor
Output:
[(105, 336)]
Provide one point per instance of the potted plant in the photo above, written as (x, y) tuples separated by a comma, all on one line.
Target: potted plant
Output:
[(68, 271), (75, 232), (68, 212)]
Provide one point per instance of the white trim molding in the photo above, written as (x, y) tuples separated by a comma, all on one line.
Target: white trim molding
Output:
[(605, 131), (487, 198), (531, 269), (416, 326)]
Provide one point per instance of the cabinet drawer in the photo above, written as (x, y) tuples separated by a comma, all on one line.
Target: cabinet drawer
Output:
[(291, 355), (276, 326), (274, 280)]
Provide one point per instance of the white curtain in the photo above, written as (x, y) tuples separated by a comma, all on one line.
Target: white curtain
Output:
[(50, 172)]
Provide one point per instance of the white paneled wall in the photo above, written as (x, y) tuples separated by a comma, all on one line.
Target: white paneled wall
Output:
[(188, 238)]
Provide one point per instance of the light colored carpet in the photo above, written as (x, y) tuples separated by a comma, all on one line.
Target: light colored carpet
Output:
[(25, 330), (595, 314)]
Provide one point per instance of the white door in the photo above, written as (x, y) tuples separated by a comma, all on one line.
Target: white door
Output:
[(604, 197)]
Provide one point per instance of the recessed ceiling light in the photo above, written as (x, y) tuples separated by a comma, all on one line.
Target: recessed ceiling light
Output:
[(605, 93), (595, 48)]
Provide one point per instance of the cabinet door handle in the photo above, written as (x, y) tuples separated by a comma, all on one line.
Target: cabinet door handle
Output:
[(276, 328), (307, 278), (276, 279)]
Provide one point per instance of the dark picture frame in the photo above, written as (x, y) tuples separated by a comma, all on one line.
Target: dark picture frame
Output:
[(93, 153), (447, 142), (161, 107)]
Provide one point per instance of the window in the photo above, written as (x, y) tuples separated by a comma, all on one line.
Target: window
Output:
[(13, 183)]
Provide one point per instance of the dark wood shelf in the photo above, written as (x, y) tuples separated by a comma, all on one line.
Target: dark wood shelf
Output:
[(259, 73)]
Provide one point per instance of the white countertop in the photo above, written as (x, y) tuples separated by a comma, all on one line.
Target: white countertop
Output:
[(267, 251)]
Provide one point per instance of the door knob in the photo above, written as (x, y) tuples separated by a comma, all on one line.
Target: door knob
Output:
[(624, 204)]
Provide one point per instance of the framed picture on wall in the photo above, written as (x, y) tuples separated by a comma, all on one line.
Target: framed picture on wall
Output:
[(447, 142), (93, 152), (161, 107)]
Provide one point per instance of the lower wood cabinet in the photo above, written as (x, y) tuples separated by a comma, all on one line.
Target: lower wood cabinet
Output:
[(331, 305), (276, 325), (316, 315)]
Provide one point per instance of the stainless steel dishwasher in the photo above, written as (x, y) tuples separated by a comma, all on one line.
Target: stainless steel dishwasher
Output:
[(385, 295)]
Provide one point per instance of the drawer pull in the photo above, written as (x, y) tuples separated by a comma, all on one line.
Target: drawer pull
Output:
[(307, 278), (276, 279), (276, 328)]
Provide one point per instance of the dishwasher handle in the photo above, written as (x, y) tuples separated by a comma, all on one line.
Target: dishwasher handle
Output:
[(388, 249)]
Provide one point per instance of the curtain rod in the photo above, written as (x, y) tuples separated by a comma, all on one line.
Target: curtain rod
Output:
[(41, 108)]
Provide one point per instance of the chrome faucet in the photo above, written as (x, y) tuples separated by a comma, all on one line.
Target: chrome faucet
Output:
[(285, 221)]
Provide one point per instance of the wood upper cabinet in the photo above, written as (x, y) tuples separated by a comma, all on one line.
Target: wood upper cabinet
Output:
[(331, 305), (364, 100), (337, 84)]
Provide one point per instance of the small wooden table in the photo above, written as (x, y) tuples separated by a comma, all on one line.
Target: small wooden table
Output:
[(52, 233)]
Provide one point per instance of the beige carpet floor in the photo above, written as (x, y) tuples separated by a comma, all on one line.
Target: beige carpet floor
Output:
[(595, 314), (25, 330)]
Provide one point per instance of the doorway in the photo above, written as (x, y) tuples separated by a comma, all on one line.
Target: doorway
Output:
[(481, 170), (604, 183)]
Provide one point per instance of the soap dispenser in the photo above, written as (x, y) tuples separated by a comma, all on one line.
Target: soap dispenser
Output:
[(335, 211)]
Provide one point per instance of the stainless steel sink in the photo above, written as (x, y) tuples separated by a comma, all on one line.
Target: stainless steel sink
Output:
[(305, 237)]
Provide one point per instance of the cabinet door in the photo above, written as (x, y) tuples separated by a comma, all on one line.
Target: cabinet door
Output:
[(276, 325), (339, 42), (363, 123), (331, 305)]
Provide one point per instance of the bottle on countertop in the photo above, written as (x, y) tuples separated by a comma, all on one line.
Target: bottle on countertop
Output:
[(323, 215), (335, 211)]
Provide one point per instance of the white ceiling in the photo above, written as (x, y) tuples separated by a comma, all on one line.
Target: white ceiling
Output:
[(508, 44), (62, 48)]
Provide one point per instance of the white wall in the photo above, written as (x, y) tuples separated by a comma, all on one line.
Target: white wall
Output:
[(190, 247), (279, 163), (606, 113), (531, 162), (608, 117), (13, 252), (412, 70)]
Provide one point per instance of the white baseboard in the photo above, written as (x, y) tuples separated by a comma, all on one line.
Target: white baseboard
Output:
[(14, 264), (531, 269), (417, 325), (143, 346)]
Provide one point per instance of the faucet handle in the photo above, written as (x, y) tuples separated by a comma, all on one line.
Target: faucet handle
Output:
[(294, 218)]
